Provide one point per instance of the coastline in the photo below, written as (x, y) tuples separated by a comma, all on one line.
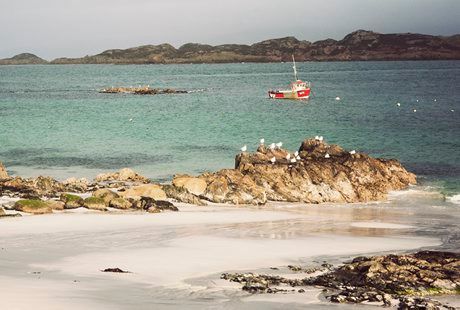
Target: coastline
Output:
[(184, 253)]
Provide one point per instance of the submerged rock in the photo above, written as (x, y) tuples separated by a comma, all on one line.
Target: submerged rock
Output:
[(319, 173)]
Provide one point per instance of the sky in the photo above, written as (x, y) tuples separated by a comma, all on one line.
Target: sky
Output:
[(75, 28)]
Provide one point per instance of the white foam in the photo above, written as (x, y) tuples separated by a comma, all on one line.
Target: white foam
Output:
[(454, 199), (380, 225)]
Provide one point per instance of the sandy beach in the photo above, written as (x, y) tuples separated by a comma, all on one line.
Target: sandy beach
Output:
[(56, 260)]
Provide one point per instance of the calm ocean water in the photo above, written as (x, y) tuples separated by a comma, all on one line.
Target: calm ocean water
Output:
[(54, 122)]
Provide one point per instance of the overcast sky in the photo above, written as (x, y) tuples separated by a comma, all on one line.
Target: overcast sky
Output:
[(74, 28)]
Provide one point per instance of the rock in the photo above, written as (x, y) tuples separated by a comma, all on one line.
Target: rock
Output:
[(95, 203), (313, 178), (106, 194), (2, 212), (76, 185), (56, 205), (421, 303), (125, 174), (149, 190), (31, 188), (154, 206), (3, 173), (116, 270), (33, 206), (71, 201), (120, 203), (195, 186), (182, 195)]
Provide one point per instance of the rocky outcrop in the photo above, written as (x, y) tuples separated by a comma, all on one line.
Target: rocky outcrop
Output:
[(378, 279), (105, 194), (358, 45), (141, 90), (75, 185), (124, 175), (31, 188), (182, 195), (193, 185), (71, 201), (316, 173), (94, 203)]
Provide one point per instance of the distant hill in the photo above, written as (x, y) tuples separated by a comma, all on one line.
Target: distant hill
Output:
[(358, 45), (23, 59)]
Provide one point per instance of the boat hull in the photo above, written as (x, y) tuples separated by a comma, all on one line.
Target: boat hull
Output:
[(288, 94)]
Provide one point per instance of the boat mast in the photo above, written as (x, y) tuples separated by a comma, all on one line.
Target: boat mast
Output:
[(293, 67)]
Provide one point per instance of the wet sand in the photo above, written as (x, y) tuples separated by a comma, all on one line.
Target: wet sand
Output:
[(175, 259)]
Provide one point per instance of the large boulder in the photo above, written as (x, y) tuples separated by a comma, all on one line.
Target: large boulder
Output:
[(94, 203), (3, 173), (149, 190), (76, 185), (106, 194), (71, 201), (125, 175), (34, 206), (195, 186), (319, 173), (120, 203), (182, 195)]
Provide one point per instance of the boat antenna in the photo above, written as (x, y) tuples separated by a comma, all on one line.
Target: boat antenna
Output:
[(293, 67)]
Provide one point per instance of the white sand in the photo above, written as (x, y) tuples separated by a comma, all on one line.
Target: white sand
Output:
[(165, 251)]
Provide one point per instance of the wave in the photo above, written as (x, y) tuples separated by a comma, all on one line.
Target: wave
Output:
[(455, 199)]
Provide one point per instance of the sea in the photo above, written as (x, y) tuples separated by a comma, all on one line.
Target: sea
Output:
[(54, 121)]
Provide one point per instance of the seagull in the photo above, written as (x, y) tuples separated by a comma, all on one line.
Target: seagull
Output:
[(296, 153), (417, 100), (327, 155), (279, 144), (316, 137), (272, 146), (452, 110), (288, 156), (398, 104), (353, 152), (415, 110), (130, 119), (273, 160), (293, 160), (434, 100), (297, 157), (320, 138), (262, 141), (244, 148), (337, 98)]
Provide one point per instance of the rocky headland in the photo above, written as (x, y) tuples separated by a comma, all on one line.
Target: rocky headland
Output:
[(23, 59), (316, 173), (358, 45)]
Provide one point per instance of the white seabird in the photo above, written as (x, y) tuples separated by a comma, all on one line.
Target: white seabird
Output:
[(297, 157), (327, 155), (316, 137), (262, 141), (320, 138), (130, 119), (398, 104), (353, 152), (279, 144), (288, 156), (296, 153), (293, 160), (273, 159), (337, 98), (244, 148), (415, 110), (272, 146)]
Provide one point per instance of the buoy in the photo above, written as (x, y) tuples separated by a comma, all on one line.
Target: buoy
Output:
[(244, 148)]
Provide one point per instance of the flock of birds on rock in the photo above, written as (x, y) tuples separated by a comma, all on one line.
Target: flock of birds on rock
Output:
[(289, 158)]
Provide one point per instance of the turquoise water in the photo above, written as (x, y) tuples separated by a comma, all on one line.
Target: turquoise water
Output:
[(54, 122)]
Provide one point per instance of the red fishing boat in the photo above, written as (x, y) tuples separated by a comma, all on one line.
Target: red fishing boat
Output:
[(297, 90)]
